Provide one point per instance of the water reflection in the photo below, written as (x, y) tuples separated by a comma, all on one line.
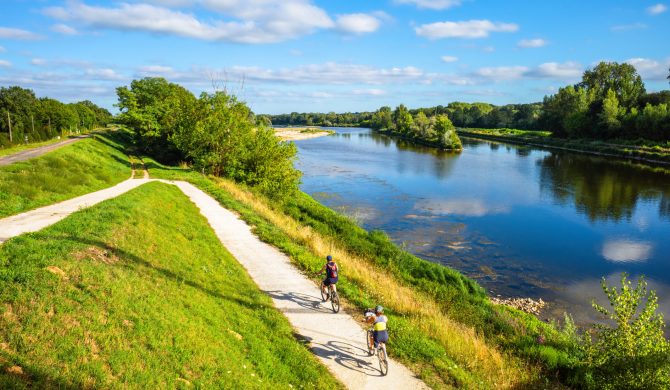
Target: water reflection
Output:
[(601, 189), (626, 250), (464, 207)]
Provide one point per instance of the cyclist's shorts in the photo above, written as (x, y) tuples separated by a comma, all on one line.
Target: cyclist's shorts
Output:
[(381, 336), (329, 281)]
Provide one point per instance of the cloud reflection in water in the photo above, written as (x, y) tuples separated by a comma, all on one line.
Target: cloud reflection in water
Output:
[(464, 207), (626, 250)]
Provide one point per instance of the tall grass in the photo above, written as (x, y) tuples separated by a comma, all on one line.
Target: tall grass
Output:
[(83, 167), (137, 292)]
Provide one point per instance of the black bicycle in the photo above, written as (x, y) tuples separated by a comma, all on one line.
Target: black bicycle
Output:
[(331, 293)]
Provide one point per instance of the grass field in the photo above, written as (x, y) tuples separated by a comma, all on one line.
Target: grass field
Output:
[(85, 166), (441, 323), (137, 292)]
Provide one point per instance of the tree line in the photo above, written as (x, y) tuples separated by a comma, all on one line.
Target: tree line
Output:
[(25, 117), (216, 132), (609, 102)]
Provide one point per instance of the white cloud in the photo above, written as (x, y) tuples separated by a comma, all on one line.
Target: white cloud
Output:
[(531, 43), (465, 207), (16, 33), (650, 69), (243, 21), (432, 4), (369, 92), (657, 9), (502, 72), (357, 23), (449, 59), (38, 61), (156, 69), (5, 64), (547, 70), (626, 250), (64, 29), (628, 27), (568, 70), (103, 74), (465, 29)]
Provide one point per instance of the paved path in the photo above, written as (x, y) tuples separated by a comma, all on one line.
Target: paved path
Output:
[(336, 339), (36, 152)]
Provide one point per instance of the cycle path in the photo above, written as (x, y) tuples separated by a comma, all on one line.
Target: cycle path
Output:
[(36, 152), (336, 339)]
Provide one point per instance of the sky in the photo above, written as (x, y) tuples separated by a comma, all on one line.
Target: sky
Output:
[(282, 56)]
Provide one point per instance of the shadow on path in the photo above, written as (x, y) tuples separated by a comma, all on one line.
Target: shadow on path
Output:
[(308, 303)]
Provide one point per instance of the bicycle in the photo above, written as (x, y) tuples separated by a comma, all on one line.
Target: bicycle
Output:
[(331, 293), (381, 352)]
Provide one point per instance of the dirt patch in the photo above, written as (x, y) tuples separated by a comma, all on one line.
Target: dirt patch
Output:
[(8, 314), (128, 324), (4, 346), (95, 253), (57, 271), (237, 335), (15, 370)]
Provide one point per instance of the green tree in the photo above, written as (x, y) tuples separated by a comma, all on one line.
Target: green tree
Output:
[(446, 133), (402, 120), (421, 125), (609, 116), (633, 353), (623, 79), (382, 119)]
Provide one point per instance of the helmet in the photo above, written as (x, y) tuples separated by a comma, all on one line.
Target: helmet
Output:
[(329, 258), (379, 309)]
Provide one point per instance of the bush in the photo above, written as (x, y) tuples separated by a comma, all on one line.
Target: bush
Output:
[(632, 354)]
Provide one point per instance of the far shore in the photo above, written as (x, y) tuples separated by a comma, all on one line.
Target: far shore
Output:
[(300, 133)]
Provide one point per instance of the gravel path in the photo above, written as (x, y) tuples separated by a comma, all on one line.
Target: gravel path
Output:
[(336, 339), (36, 152)]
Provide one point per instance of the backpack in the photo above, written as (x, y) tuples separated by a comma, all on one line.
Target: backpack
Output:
[(332, 270)]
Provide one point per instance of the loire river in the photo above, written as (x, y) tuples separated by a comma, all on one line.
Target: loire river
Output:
[(524, 222)]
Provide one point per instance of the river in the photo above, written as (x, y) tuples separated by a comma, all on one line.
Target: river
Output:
[(523, 222)]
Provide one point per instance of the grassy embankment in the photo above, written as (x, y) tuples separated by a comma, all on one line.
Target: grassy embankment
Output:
[(641, 150), (80, 168), (442, 324), (137, 292), (19, 148)]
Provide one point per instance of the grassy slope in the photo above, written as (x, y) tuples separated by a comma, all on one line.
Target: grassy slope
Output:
[(437, 316), (19, 148), (147, 298), (646, 151), (85, 166)]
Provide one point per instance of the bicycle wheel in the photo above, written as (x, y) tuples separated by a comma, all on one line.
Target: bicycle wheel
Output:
[(335, 301), (324, 294), (371, 343), (383, 361)]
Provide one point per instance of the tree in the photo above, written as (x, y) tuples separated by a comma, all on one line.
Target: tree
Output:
[(382, 118), (402, 119), (421, 125), (623, 79), (609, 116), (446, 133)]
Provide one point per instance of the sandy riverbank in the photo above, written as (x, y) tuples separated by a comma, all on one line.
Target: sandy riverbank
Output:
[(300, 133)]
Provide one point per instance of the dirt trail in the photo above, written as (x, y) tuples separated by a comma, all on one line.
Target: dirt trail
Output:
[(336, 339), (36, 152)]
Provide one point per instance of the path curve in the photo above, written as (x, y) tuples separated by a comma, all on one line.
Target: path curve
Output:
[(36, 152), (336, 339)]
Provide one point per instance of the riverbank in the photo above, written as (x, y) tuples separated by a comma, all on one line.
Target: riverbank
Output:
[(300, 133), (642, 151)]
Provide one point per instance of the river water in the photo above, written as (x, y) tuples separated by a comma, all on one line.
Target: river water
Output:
[(523, 222)]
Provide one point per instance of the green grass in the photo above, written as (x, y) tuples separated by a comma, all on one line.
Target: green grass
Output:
[(80, 168), (512, 332), (147, 298)]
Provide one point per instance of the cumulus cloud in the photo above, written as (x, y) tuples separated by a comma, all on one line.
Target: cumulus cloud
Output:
[(103, 74), (19, 34), (465, 29), (64, 29), (531, 43), (626, 250), (432, 4), (357, 23), (650, 69), (657, 9), (449, 59), (243, 21), (547, 70), (5, 64)]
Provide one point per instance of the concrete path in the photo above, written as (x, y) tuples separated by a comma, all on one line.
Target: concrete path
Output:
[(336, 339), (36, 152)]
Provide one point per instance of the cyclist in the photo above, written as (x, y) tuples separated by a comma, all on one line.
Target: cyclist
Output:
[(331, 274), (379, 320)]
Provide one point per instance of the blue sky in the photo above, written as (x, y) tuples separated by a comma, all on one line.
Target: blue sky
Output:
[(307, 55)]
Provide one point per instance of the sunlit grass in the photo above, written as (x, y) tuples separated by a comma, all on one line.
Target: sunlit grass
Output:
[(85, 166), (137, 292)]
